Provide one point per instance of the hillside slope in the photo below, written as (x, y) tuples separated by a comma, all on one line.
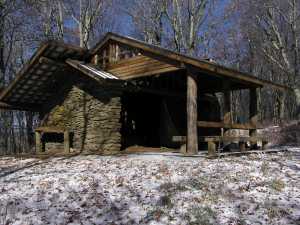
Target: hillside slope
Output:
[(151, 189)]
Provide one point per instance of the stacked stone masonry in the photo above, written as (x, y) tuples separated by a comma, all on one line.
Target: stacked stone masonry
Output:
[(94, 120)]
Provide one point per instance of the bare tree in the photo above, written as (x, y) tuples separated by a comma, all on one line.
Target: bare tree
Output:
[(278, 23), (89, 13), (186, 19), (148, 18)]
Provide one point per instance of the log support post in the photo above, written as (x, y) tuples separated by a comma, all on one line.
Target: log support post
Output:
[(242, 146), (66, 141), (192, 114), (253, 114), (264, 145), (227, 114), (212, 148), (227, 117), (38, 142)]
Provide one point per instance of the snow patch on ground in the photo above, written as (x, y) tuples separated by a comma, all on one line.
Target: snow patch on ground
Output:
[(151, 189)]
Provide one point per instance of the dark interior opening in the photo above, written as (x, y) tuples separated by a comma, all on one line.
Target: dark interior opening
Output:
[(140, 119), (151, 120)]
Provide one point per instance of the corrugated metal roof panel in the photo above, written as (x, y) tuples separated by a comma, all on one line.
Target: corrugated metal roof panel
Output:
[(101, 73)]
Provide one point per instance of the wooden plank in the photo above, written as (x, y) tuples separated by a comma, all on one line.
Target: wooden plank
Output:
[(135, 70), (128, 61), (192, 114), (136, 66), (20, 106), (50, 129), (140, 66), (51, 62), (139, 59), (162, 70), (182, 139), (246, 126), (233, 139)]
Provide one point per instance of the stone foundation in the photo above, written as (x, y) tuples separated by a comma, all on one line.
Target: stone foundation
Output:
[(93, 118)]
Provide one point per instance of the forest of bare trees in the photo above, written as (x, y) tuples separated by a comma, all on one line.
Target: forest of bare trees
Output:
[(260, 37)]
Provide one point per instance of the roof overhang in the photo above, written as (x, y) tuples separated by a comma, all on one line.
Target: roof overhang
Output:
[(35, 83), (30, 87), (204, 66)]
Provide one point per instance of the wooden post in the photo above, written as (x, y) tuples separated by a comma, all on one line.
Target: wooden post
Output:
[(183, 149), (111, 53), (66, 142), (38, 142), (117, 51), (253, 115), (192, 114), (264, 145), (242, 146), (227, 117), (104, 58), (212, 148)]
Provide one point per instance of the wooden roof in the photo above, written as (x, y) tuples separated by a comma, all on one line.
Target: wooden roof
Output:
[(207, 67), (35, 83), (28, 88)]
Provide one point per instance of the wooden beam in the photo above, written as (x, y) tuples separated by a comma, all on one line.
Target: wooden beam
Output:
[(51, 62), (50, 129), (246, 126), (192, 114), (183, 139), (163, 92), (20, 107)]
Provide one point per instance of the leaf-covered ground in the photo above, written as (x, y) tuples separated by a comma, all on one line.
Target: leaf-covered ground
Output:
[(151, 189)]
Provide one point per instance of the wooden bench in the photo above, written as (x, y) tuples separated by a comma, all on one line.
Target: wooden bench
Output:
[(40, 144), (212, 141)]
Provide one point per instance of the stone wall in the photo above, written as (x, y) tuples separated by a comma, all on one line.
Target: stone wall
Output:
[(94, 119)]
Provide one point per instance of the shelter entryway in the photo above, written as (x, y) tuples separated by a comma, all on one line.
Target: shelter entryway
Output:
[(152, 120), (140, 118)]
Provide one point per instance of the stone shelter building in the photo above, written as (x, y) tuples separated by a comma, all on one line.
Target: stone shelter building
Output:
[(125, 92)]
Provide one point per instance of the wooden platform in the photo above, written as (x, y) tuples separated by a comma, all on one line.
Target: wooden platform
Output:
[(214, 141)]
